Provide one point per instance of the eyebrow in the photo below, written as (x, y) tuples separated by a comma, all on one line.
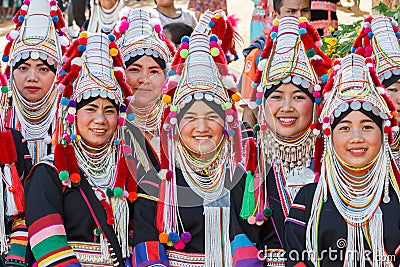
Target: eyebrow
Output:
[(96, 106), (193, 113), (296, 91), (151, 67), (349, 121), (30, 65)]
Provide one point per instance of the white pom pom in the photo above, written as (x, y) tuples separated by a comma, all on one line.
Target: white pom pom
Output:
[(394, 23), (64, 41), (387, 123), (47, 139), (366, 24), (77, 61), (173, 121), (252, 105), (24, 7), (261, 65), (228, 82), (14, 34), (163, 174), (175, 78), (316, 57), (395, 128), (317, 87), (53, 8), (325, 126), (316, 131), (370, 65)]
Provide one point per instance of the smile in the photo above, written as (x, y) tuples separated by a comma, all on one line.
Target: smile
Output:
[(99, 130), (287, 121)]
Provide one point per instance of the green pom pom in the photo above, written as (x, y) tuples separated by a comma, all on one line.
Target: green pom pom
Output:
[(256, 127), (170, 244), (4, 89), (228, 105), (310, 52), (109, 192), (214, 51), (174, 108), (118, 192), (63, 175), (248, 202), (97, 231), (267, 212), (184, 53)]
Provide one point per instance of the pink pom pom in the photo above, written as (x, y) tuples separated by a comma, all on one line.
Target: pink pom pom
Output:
[(9, 38), (326, 119), (126, 150), (213, 44), (126, 194), (172, 114), (61, 88), (367, 30), (251, 220), (259, 95), (395, 28), (67, 138), (157, 28), (316, 178), (121, 121), (229, 111), (180, 245), (316, 94), (15, 19), (368, 49), (302, 25), (263, 127), (318, 43), (185, 45), (53, 3), (70, 118), (172, 84), (274, 29), (27, 2), (123, 26)]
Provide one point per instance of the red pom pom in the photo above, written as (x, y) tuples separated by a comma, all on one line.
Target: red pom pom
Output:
[(75, 178), (327, 131), (169, 175), (387, 129), (110, 221)]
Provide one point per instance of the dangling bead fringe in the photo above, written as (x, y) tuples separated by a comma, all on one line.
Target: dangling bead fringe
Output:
[(3, 238), (217, 237), (11, 208), (121, 221), (104, 247)]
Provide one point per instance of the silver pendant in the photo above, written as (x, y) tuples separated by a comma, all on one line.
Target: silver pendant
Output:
[(386, 199), (300, 176)]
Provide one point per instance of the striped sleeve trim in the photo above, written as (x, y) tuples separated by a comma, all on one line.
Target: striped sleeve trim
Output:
[(18, 242), (46, 233), (46, 221), (298, 222), (298, 206), (149, 253), (58, 258)]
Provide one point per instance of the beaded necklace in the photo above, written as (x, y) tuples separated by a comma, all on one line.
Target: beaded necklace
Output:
[(148, 118)]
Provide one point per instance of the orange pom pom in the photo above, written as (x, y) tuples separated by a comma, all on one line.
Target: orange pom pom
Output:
[(166, 99), (236, 97), (163, 237), (394, 113), (132, 196), (75, 178)]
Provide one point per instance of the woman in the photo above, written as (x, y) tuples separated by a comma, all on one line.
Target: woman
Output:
[(34, 55), (103, 16), (186, 213), (352, 210), (288, 79), (145, 51), (88, 170), (379, 39)]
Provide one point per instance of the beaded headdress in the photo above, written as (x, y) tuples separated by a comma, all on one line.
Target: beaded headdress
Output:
[(379, 39), (39, 33), (139, 32), (198, 72), (292, 54), (355, 86)]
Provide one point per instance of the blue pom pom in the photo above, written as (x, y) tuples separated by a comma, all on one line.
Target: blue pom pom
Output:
[(173, 237), (185, 39), (171, 73), (73, 136), (213, 38), (63, 72), (231, 132), (55, 19), (398, 34), (318, 100), (254, 84), (5, 58), (64, 101), (259, 101), (81, 48), (117, 142), (353, 50), (273, 35), (227, 57), (211, 24), (21, 18), (324, 78), (370, 35), (130, 116), (111, 37), (302, 31), (236, 57)]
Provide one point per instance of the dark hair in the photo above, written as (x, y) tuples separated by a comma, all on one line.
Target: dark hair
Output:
[(52, 68), (277, 5), (177, 31)]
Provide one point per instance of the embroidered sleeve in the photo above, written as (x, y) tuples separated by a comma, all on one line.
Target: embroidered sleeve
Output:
[(245, 253), (150, 253), (47, 236), (18, 244), (295, 230)]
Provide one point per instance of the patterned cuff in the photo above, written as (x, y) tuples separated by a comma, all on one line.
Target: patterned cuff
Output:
[(245, 253), (150, 253)]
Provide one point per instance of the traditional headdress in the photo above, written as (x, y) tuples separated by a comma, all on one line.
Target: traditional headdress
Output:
[(139, 32), (93, 68), (198, 72), (354, 86), (379, 39), (39, 34), (101, 19), (14, 202)]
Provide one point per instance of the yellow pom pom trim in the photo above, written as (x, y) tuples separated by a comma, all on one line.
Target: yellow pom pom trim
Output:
[(214, 51), (236, 97), (166, 99), (217, 16), (303, 19), (275, 22), (113, 52), (78, 137), (84, 35)]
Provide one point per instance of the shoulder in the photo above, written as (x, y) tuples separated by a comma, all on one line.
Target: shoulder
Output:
[(43, 169)]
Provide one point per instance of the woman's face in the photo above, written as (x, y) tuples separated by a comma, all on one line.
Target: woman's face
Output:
[(201, 129), (289, 111), (33, 79), (394, 94), (357, 139), (97, 121), (146, 79)]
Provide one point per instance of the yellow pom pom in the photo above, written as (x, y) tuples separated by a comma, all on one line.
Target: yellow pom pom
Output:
[(166, 99), (84, 35), (53, 141), (330, 71), (275, 22), (214, 51), (113, 52), (303, 19), (78, 137), (163, 237), (217, 16), (184, 53), (236, 97)]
